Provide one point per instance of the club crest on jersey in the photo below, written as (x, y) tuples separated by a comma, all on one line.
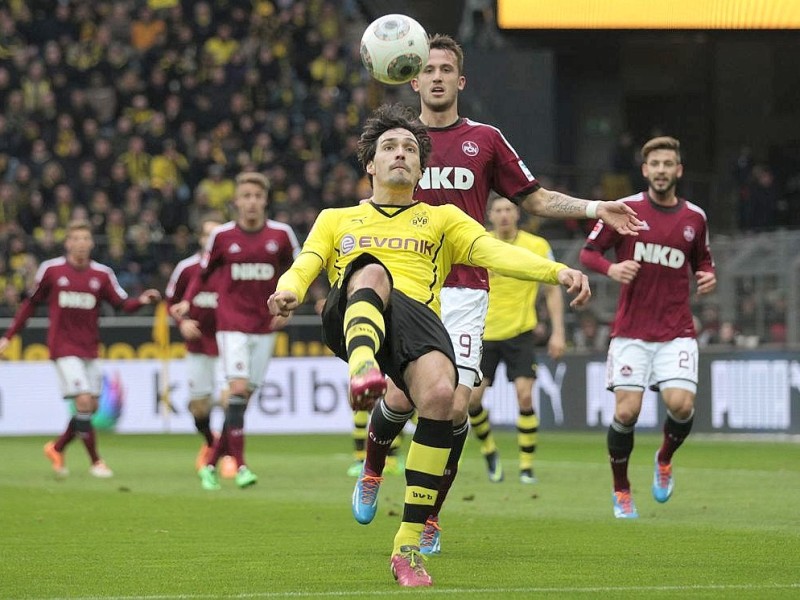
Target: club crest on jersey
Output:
[(688, 233), (94, 283), (347, 244), (470, 148), (419, 219), (234, 248), (63, 281), (271, 246)]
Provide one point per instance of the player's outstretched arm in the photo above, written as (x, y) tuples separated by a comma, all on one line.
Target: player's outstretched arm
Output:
[(512, 261), (150, 296), (547, 203)]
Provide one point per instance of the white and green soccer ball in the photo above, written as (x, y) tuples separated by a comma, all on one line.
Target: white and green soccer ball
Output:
[(394, 48)]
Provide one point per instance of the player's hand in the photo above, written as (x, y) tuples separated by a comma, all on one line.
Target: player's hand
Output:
[(625, 271), (4, 342), (706, 282), (282, 303), (556, 345), (279, 322), (190, 329), (180, 309), (150, 296), (577, 285), (620, 216), (319, 305)]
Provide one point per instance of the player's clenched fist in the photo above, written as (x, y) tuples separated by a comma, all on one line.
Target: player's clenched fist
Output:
[(282, 303)]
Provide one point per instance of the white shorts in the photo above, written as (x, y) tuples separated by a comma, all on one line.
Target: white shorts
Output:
[(636, 364), (79, 376), (245, 355), (202, 373), (464, 315)]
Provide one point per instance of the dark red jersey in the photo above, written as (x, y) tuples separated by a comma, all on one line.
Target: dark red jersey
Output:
[(245, 266), (671, 247), (73, 297), (203, 307), (468, 160)]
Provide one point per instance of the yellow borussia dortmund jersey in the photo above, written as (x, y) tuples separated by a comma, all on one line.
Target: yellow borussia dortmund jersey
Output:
[(417, 244), (511, 301)]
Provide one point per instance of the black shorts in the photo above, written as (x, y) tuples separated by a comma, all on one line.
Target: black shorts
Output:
[(518, 354), (412, 328)]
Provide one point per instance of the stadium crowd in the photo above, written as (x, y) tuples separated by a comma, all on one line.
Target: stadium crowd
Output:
[(136, 115)]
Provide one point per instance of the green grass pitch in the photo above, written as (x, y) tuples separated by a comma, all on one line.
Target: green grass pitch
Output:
[(731, 530)]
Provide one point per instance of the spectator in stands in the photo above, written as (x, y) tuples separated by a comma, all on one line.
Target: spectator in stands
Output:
[(728, 334), (328, 69), (12, 299), (146, 30), (591, 335), (759, 202), (217, 189), (137, 161), (221, 46), (89, 84)]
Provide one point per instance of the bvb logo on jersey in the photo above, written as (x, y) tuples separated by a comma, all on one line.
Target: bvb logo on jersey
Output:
[(419, 219)]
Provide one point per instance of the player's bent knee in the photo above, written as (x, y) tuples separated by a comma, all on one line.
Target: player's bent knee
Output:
[(441, 391), (85, 403), (239, 387), (626, 416), (680, 402)]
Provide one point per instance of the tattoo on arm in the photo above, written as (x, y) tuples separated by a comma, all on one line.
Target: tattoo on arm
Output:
[(561, 205)]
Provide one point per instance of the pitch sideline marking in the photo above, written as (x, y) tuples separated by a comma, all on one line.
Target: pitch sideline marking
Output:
[(510, 590)]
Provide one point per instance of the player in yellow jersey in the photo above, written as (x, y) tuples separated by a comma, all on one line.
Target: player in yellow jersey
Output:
[(386, 260), (508, 338)]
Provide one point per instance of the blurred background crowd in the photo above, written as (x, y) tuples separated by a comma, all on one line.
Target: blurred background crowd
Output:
[(138, 114)]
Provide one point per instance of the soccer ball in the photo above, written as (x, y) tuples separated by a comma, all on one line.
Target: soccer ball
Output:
[(394, 48)]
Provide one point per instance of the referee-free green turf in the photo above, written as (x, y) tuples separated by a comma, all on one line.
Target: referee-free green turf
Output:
[(731, 530)]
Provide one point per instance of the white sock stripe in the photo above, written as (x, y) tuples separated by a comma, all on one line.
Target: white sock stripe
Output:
[(393, 416), (677, 420), (462, 428), (620, 428)]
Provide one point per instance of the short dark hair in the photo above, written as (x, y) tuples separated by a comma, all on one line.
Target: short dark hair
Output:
[(392, 116), (663, 142), (442, 41)]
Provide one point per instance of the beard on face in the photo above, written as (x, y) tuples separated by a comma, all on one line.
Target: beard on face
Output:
[(663, 187)]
